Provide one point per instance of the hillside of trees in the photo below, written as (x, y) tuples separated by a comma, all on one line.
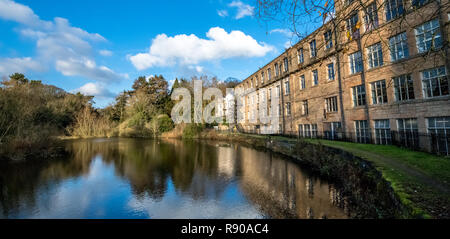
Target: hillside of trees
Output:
[(33, 115)]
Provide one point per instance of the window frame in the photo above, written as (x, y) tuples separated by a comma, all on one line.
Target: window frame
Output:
[(420, 30), (403, 88), (438, 79), (379, 92), (397, 42)]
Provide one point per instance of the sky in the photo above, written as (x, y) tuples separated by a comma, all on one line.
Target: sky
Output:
[(99, 47)]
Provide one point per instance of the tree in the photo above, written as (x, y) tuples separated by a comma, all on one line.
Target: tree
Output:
[(18, 79)]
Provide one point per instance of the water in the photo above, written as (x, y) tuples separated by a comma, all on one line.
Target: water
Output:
[(134, 178)]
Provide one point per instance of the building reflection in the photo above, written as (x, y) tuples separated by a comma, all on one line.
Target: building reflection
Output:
[(282, 189), (277, 187)]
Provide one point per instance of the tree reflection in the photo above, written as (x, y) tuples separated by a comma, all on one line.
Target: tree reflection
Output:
[(197, 170)]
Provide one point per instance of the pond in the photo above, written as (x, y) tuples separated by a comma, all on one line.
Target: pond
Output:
[(139, 178)]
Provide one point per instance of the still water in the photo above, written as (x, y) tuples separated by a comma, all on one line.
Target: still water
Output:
[(134, 178)]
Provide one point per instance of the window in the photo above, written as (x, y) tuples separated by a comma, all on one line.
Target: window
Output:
[(359, 95), (399, 47), (419, 3), (371, 17), (408, 132), (286, 88), (314, 130), (348, 2), (312, 47), (356, 64), (262, 77), (300, 130), (330, 68), (279, 109), (277, 70), (439, 127), (328, 39), (394, 8), (434, 82), (332, 130), (331, 104), (375, 55), (278, 91), (362, 131), (269, 74), (428, 36), (300, 56), (302, 82), (305, 107), (382, 132), (270, 94), (286, 64), (403, 88), (379, 95), (307, 130), (315, 77), (288, 108), (353, 26)]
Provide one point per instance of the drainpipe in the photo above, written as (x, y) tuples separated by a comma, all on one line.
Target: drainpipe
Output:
[(338, 63), (282, 106), (444, 25), (363, 82)]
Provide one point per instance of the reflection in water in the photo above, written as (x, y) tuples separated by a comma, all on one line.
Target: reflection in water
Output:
[(132, 178)]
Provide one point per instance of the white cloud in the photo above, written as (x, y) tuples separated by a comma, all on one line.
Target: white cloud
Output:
[(73, 67), (12, 11), (243, 9), (285, 32), (287, 44), (9, 66), (57, 42), (190, 50), (222, 13), (105, 53), (95, 89)]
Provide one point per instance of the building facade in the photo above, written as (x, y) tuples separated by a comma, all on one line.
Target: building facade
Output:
[(375, 73)]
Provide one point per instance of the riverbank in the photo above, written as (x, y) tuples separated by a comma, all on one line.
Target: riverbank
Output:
[(419, 181)]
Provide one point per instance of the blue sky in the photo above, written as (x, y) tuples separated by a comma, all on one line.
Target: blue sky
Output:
[(99, 47)]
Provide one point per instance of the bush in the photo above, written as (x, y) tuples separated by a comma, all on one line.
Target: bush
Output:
[(192, 130)]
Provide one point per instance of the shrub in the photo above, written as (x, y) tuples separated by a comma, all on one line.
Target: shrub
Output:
[(192, 130)]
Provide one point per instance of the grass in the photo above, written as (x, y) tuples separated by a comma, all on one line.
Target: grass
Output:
[(420, 179)]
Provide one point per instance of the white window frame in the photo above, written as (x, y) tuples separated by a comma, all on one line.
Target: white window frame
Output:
[(300, 56), (379, 92), (302, 82), (375, 55), (403, 86), (328, 37), (424, 43), (359, 95), (313, 48), (315, 77), (382, 131), (355, 62), (331, 73), (392, 12), (331, 104), (371, 18), (434, 77), (398, 46)]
